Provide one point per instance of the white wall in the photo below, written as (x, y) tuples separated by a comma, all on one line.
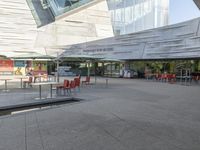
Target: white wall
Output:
[(18, 30), (170, 42)]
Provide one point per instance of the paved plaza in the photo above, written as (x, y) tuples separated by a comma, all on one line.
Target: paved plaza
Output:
[(128, 114)]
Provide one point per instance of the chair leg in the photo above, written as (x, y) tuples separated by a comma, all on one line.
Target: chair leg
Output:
[(30, 85), (56, 91), (64, 91), (75, 91), (79, 89), (70, 91)]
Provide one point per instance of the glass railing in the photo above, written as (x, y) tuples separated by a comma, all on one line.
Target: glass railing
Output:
[(67, 5)]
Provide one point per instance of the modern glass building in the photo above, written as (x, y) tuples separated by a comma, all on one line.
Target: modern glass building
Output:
[(127, 16), (130, 16)]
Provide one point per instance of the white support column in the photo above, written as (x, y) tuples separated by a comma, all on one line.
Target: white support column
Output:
[(57, 66), (88, 68)]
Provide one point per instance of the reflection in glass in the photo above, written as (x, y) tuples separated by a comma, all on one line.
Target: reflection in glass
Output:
[(130, 16)]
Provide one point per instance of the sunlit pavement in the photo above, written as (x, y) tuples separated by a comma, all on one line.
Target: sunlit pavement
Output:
[(123, 115)]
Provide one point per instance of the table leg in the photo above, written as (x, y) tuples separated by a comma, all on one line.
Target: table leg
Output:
[(21, 83), (51, 90), (6, 85), (40, 90), (48, 78)]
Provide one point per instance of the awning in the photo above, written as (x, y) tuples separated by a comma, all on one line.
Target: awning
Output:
[(32, 55)]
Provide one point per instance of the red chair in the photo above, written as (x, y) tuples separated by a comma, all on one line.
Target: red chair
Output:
[(72, 85), (171, 78), (77, 83), (157, 77), (163, 77), (195, 78), (86, 81), (30, 80), (79, 76), (67, 87), (64, 86)]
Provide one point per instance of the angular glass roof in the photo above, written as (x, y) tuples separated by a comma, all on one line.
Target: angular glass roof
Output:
[(45, 11), (59, 7), (41, 12)]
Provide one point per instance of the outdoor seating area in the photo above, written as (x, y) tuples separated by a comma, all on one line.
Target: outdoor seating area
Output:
[(173, 78), (68, 86), (183, 72), (22, 90), (170, 78)]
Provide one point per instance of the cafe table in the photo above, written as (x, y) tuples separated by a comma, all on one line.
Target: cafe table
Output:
[(40, 84), (21, 80), (5, 84)]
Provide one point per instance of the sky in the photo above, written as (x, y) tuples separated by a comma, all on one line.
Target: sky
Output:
[(182, 10)]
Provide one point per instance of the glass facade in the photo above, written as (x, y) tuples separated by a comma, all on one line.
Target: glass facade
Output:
[(127, 16), (130, 16)]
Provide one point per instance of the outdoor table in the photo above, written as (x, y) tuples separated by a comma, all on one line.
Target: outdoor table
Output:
[(45, 83), (6, 88), (21, 80)]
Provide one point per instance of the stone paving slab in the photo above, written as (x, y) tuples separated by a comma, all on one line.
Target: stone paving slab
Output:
[(126, 115)]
